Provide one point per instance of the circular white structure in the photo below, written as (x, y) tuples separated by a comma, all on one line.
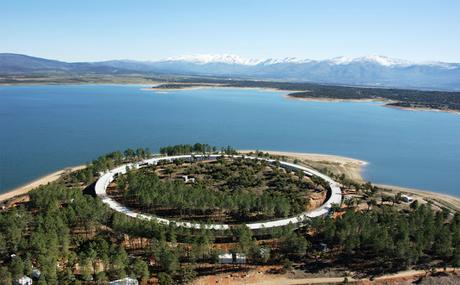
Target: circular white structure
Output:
[(103, 182)]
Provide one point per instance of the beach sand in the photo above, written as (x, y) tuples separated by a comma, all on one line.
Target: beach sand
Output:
[(40, 181), (439, 199), (336, 100), (336, 164), (217, 86)]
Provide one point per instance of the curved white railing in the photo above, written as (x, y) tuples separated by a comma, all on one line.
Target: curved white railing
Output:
[(104, 181)]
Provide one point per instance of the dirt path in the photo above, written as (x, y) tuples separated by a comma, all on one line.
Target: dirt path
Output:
[(255, 277)]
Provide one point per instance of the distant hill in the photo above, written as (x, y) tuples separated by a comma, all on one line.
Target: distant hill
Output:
[(11, 64), (375, 71), (17, 63)]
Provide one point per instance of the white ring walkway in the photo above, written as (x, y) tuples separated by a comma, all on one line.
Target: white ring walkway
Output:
[(104, 181)]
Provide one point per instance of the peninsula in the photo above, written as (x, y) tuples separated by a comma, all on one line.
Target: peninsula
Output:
[(448, 101), (190, 193)]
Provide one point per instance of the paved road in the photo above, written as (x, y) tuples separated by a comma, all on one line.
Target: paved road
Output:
[(102, 183)]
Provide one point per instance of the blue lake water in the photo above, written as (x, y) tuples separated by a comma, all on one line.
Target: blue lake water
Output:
[(45, 128)]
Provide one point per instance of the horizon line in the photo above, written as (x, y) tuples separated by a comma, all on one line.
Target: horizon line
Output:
[(249, 59)]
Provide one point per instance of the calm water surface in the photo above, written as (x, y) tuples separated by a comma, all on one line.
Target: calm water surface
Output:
[(45, 128)]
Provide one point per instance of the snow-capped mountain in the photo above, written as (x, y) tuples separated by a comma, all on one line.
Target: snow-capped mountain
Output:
[(284, 60), (376, 59), (342, 60), (214, 58), (233, 59), (374, 70), (369, 70)]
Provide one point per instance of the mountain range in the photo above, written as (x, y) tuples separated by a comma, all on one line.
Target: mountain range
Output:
[(375, 71)]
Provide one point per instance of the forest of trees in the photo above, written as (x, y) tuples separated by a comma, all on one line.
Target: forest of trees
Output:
[(62, 226), (106, 162), (394, 240), (72, 238), (197, 148), (237, 180), (57, 227)]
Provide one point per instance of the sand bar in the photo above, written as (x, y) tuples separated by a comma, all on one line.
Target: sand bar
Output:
[(215, 86), (40, 181), (351, 167)]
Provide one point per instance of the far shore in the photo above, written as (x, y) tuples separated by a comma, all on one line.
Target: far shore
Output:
[(24, 189), (215, 86), (324, 99), (351, 167), (384, 102), (422, 109)]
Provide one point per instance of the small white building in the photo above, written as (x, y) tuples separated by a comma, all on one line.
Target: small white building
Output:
[(24, 280), (188, 179), (232, 258), (124, 281), (406, 199)]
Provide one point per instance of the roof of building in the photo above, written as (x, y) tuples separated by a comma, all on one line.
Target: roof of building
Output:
[(23, 280), (124, 281)]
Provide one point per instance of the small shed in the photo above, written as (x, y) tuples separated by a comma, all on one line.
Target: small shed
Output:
[(188, 179)]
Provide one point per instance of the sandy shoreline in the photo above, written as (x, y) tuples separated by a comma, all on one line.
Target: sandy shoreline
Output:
[(383, 102), (441, 199), (165, 90), (38, 182), (422, 109), (324, 99), (353, 168)]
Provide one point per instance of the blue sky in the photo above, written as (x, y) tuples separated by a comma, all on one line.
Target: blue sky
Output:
[(149, 30)]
